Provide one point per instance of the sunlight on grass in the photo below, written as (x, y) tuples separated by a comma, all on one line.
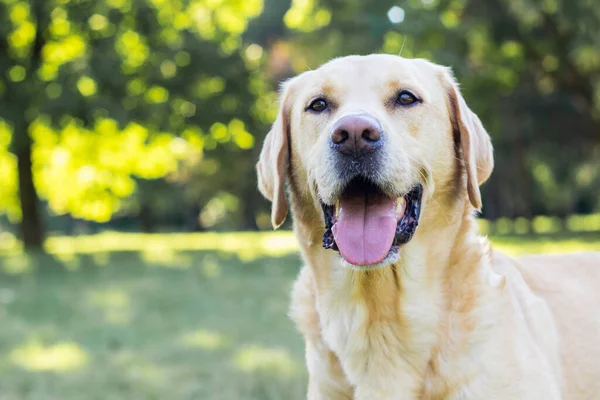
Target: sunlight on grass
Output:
[(138, 370), (163, 254), (160, 247), (255, 358), (210, 267), (61, 357), (203, 339), (114, 304), (9, 244), (516, 246), (69, 260), (18, 263), (249, 246), (168, 249)]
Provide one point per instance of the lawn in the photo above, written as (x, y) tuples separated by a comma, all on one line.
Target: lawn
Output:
[(169, 316)]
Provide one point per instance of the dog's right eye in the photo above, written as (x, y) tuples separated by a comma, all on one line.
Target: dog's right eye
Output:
[(406, 98), (317, 105)]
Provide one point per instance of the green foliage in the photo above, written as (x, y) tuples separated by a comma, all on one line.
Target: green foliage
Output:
[(113, 90), (8, 176), (157, 108), (530, 70), (85, 172)]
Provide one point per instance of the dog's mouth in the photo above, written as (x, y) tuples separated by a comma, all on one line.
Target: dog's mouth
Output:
[(366, 225)]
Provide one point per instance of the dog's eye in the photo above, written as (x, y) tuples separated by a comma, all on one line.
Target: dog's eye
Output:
[(317, 105), (406, 98)]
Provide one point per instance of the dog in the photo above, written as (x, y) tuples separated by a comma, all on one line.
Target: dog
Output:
[(400, 298)]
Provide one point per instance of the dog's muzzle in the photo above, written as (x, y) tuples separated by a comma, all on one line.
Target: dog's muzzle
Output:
[(365, 225)]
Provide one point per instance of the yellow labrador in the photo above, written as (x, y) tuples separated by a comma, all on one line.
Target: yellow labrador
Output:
[(400, 298)]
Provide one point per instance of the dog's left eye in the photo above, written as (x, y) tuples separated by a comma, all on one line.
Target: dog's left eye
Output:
[(406, 98), (317, 105)]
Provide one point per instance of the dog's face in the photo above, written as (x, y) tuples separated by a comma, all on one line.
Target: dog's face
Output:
[(371, 139)]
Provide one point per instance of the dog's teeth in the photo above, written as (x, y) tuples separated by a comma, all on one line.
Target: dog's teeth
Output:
[(400, 206), (337, 208)]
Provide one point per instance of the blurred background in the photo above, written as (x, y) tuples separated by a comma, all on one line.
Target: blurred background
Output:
[(131, 266)]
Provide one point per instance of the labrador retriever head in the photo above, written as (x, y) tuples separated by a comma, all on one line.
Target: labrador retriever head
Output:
[(370, 142)]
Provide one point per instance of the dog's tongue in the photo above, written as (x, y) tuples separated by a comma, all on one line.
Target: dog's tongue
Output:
[(365, 227)]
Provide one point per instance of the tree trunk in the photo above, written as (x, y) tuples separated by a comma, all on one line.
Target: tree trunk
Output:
[(249, 206), (32, 231), (192, 219), (525, 178), (146, 221)]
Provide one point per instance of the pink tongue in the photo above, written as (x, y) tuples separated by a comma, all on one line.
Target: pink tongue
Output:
[(365, 228)]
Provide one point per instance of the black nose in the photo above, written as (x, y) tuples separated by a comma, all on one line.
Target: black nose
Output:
[(356, 135)]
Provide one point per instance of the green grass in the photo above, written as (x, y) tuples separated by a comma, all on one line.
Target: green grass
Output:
[(131, 316)]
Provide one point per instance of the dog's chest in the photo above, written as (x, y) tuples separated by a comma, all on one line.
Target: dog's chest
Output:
[(375, 351)]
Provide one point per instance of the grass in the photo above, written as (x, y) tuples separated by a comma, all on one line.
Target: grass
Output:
[(194, 316)]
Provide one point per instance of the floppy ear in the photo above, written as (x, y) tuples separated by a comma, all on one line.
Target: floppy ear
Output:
[(474, 141), (273, 163)]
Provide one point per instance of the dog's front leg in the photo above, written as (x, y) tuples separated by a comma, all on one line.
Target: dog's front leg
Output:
[(385, 383), (384, 393), (326, 379)]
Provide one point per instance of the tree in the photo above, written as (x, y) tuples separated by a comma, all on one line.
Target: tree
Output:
[(157, 108), (94, 93), (530, 70)]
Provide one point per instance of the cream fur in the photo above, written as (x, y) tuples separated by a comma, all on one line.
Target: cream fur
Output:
[(450, 318)]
